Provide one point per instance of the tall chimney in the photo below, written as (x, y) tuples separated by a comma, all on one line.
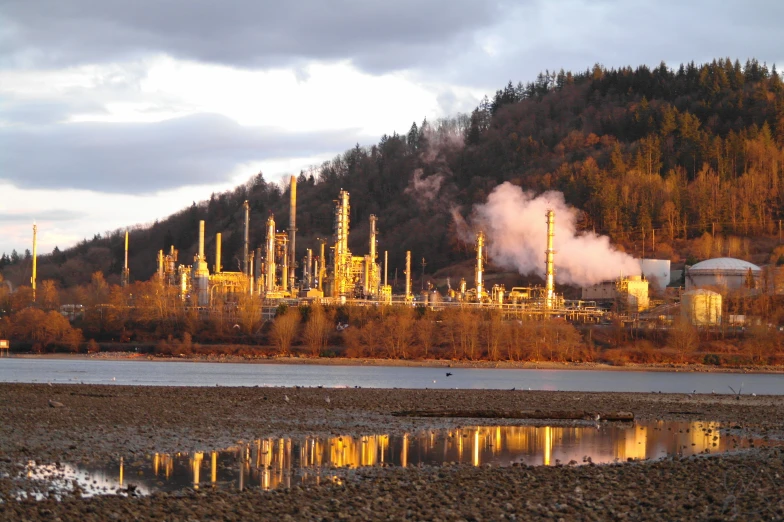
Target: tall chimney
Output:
[(250, 276), (549, 270), (310, 269), (373, 220), (480, 243), (258, 282), (284, 269), (200, 274), (322, 266), (218, 243), (408, 273), (34, 277), (270, 254), (246, 240), (201, 240), (125, 272), (160, 265), (293, 232), (373, 273), (386, 266)]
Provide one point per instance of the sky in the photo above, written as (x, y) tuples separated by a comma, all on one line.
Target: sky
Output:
[(114, 114)]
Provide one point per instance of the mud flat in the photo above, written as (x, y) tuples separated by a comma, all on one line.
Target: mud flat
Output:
[(95, 424)]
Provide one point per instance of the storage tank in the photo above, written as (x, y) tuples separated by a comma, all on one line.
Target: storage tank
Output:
[(721, 273), (657, 272), (701, 307)]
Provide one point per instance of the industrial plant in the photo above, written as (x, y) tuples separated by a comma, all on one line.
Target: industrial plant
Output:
[(331, 273)]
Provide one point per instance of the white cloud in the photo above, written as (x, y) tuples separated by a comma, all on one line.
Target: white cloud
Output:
[(80, 214)]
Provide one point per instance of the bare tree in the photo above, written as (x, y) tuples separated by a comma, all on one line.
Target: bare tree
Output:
[(683, 338), (284, 330), (316, 329), (425, 330)]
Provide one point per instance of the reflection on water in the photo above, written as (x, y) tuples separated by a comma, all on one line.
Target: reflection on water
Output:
[(271, 463)]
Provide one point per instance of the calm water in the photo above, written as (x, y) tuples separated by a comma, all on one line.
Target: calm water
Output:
[(270, 463), (149, 373)]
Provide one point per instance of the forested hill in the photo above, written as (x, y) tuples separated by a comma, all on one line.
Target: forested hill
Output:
[(683, 151)]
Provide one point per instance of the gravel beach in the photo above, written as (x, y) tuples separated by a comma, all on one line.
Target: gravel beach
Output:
[(89, 423)]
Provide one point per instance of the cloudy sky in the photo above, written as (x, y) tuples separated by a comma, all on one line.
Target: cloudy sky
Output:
[(115, 113)]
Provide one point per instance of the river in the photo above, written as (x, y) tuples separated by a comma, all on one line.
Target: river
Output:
[(184, 373)]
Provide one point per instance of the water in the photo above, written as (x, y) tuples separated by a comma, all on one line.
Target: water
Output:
[(182, 373), (271, 463)]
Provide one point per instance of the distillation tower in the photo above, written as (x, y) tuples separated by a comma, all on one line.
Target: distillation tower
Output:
[(549, 270)]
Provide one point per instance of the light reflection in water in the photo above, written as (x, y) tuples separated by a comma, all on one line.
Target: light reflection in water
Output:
[(271, 463)]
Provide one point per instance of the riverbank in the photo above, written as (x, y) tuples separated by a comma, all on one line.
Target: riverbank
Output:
[(99, 423), (425, 363)]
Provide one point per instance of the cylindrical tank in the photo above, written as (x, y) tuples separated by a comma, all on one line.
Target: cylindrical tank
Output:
[(701, 307)]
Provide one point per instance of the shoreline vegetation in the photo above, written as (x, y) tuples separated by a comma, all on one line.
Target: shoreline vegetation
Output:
[(395, 335)]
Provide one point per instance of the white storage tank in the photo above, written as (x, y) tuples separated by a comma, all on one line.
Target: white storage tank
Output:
[(656, 271), (721, 273), (701, 307)]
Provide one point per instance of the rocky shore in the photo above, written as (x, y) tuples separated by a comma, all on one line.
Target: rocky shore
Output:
[(85, 423)]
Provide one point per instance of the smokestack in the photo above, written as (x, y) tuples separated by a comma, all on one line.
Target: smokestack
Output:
[(218, 242), (284, 270), (373, 274), (125, 266), (310, 269), (372, 238), (258, 283), (270, 254), (35, 259), (408, 273), (386, 266), (201, 240), (480, 243), (293, 231), (201, 272), (322, 266), (366, 276), (250, 276), (246, 241), (549, 271), (160, 265)]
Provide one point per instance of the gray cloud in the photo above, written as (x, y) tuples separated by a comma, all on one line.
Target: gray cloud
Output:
[(247, 33), (44, 215), (543, 35), (143, 158), (44, 111)]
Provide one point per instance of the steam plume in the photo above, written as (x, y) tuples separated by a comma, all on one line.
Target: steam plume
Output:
[(514, 222), (424, 189)]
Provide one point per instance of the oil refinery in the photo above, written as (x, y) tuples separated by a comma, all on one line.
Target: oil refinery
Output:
[(331, 273)]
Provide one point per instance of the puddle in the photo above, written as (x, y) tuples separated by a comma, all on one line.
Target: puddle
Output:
[(272, 463)]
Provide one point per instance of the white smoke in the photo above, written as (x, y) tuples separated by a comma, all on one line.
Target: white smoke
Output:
[(424, 189), (515, 225), (440, 138)]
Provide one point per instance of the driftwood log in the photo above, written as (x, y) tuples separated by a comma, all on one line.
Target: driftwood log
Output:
[(625, 416)]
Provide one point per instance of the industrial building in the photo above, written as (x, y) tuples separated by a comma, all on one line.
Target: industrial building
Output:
[(723, 274), (628, 293)]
